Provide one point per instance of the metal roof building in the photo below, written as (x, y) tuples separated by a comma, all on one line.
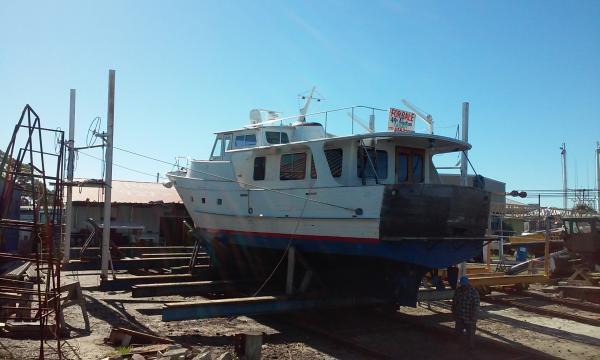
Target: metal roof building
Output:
[(142, 213)]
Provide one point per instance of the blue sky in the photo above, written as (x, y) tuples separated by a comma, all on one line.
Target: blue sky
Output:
[(188, 68)]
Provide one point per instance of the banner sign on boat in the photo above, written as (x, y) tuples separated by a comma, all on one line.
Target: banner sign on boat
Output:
[(401, 121)]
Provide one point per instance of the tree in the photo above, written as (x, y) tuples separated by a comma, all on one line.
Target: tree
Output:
[(583, 208), (25, 182)]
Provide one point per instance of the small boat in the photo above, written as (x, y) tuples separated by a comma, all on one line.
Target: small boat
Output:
[(365, 213)]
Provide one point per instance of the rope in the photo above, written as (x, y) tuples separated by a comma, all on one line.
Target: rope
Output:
[(472, 168), (287, 248)]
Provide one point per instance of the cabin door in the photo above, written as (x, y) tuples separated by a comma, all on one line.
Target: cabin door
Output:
[(409, 165)]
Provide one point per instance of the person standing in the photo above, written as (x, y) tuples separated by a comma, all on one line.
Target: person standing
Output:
[(465, 305)]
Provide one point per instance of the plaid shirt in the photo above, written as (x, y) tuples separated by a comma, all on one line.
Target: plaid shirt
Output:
[(465, 303)]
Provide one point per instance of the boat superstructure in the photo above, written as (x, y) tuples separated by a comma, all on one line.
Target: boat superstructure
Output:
[(365, 210)]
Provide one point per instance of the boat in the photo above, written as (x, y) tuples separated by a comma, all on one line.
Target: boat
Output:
[(366, 213)]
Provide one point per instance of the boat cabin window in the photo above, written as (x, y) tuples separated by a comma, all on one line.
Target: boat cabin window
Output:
[(217, 151), (227, 142), (409, 165), (334, 160), (369, 159), (222, 143), (293, 166), (259, 168), (245, 140), (277, 137)]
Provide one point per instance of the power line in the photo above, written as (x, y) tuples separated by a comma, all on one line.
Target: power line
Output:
[(121, 166)]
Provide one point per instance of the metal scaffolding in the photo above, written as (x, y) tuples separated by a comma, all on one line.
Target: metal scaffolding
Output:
[(38, 175)]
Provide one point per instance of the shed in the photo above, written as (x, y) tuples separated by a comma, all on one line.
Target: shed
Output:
[(142, 213)]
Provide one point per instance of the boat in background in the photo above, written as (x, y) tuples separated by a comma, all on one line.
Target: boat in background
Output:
[(365, 213)]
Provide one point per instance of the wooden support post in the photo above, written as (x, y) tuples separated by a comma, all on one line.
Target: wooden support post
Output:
[(289, 284)]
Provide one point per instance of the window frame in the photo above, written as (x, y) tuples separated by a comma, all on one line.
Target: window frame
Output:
[(363, 165), (282, 134), (218, 141), (264, 168), (341, 164), (293, 165), (410, 153), (244, 141)]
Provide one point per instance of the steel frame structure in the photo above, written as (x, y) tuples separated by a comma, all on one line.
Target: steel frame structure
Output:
[(46, 227)]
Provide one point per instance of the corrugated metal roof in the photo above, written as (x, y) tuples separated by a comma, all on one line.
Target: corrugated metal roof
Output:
[(129, 192)]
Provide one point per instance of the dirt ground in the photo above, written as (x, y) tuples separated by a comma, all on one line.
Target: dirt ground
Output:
[(558, 338)]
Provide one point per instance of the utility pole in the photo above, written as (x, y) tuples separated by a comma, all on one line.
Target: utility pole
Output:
[(598, 177), (462, 267), (465, 138), (108, 174), (563, 153), (70, 168)]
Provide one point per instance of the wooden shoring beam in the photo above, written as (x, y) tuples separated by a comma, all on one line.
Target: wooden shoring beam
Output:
[(130, 264), (586, 293), (174, 254), (256, 306), (486, 280), (544, 311), (125, 283), (185, 288), (135, 250)]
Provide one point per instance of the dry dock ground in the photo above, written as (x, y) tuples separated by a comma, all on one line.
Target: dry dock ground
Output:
[(424, 332)]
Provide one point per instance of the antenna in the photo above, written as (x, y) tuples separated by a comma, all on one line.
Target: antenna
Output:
[(308, 99), (426, 117)]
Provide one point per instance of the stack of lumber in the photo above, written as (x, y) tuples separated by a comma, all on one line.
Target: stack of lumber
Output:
[(14, 270)]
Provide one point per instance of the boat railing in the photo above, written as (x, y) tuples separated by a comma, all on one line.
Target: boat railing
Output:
[(330, 119), (182, 163)]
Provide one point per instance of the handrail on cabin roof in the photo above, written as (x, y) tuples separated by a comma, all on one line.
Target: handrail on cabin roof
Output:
[(280, 120)]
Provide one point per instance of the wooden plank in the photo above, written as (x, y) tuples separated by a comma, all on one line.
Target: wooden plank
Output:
[(16, 283), (133, 250), (19, 272), (434, 295), (119, 334), (507, 280), (127, 264), (182, 288), (174, 254), (125, 283), (257, 305), (587, 293), (543, 311), (26, 329)]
